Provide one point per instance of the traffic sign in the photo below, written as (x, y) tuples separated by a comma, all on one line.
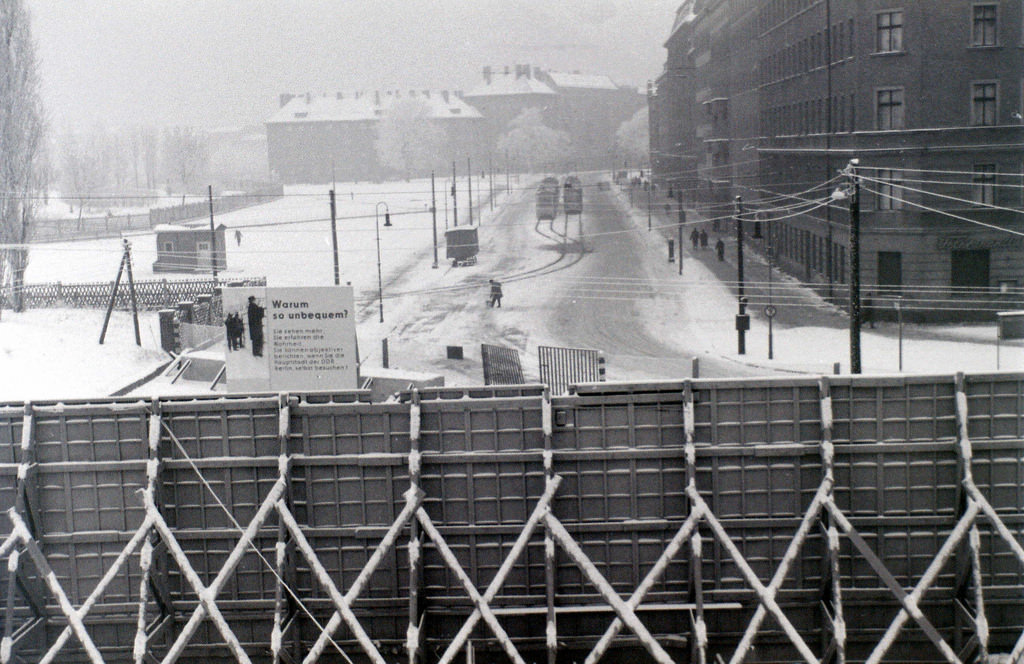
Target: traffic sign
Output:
[(770, 311)]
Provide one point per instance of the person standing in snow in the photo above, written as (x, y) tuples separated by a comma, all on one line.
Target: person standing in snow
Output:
[(495, 299), (703, 239), (695, 238), (720, 249), (238, 237), (255, 315)]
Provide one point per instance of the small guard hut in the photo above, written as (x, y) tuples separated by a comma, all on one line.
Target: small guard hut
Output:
[(184, 249)]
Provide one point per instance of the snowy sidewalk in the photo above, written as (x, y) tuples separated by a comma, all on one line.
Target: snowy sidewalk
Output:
[(809, 334)]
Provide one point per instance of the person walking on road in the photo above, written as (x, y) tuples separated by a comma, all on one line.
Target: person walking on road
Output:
[(695, 238), (720, 250), (703, 239), (495, 298)]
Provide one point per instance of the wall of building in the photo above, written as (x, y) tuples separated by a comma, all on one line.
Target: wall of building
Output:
[(804, 100)]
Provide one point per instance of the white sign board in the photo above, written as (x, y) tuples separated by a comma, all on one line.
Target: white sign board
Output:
[(283, 339)]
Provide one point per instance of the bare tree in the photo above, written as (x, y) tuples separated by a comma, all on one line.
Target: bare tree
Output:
[(633, 138), (186, 157), (408, 140), (22, 125), (532, 144)]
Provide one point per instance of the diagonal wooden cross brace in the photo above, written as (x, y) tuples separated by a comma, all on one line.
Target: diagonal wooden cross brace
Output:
[(453, 563), (343, 603), (208, 594), (74, 617), (748, 573), (543, 506), (821, 497), (621, 608), (677, 543), (136, 540)]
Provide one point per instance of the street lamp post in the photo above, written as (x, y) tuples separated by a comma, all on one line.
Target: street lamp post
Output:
[(380, 279)]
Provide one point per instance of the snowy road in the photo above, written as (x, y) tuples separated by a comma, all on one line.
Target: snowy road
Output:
[(594, 291)]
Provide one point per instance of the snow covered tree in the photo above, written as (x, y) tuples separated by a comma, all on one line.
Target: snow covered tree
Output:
[(531, 144), (408, 140), (633, 138), (22, 127)]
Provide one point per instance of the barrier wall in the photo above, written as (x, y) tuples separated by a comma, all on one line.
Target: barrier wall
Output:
[(859, 489)]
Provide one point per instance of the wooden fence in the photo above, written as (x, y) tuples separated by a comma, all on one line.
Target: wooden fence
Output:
[(149, 295)]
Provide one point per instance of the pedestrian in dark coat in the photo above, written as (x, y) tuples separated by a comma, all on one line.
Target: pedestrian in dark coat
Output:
[(720, 249), (495, 298), (867, 311), (695, 238), (703, 239), (255, 315)]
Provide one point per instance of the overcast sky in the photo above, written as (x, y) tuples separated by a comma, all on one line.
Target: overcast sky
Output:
[(214, 63)]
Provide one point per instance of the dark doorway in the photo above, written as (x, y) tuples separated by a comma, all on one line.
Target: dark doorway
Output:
[(969, 267), (890, 271)]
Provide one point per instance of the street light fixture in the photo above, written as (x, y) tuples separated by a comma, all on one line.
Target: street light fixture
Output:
[(376, 223)]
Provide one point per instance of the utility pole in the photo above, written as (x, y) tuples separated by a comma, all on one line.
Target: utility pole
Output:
[(508, 188), (469, 178), (334, 240), (455, 199), (682, 222), (770, 310), (213, 237), (649, 187), (490, 170), (433, 217), (851, 171), (742, 318)]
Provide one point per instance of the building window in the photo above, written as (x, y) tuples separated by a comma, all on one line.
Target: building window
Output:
[(984, 103), (983, 29), (889, 33), (969, 268), (889, 109), (890, 190), (984, 180)]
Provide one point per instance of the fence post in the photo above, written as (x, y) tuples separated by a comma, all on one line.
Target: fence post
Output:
[(185, 310), (167, 340)]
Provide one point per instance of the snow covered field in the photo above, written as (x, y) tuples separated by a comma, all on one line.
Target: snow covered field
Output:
[(53, 353)]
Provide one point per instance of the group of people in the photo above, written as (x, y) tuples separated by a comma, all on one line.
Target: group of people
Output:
[(236, 328)]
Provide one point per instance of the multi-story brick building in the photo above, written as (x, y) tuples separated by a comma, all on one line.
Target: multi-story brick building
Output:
[(926, 95)]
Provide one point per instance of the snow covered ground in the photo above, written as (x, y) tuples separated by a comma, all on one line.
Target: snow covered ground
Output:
[(53, 353)]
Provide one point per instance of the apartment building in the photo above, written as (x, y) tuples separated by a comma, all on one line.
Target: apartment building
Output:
[(928, 96)]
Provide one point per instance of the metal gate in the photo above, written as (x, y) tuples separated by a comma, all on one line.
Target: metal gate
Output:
[(501, 365), (872, 519), (562, 367)]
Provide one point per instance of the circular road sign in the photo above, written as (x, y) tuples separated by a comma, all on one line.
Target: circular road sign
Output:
[(770, 311)]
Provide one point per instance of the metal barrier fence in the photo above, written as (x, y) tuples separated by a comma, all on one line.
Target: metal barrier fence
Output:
[(872, 519), (562, 367)]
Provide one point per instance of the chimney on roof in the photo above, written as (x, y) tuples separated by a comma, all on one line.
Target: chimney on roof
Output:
[(537, 72), (284, 98), (339, 96), (444, 95), (487, 75), (376, 97)]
